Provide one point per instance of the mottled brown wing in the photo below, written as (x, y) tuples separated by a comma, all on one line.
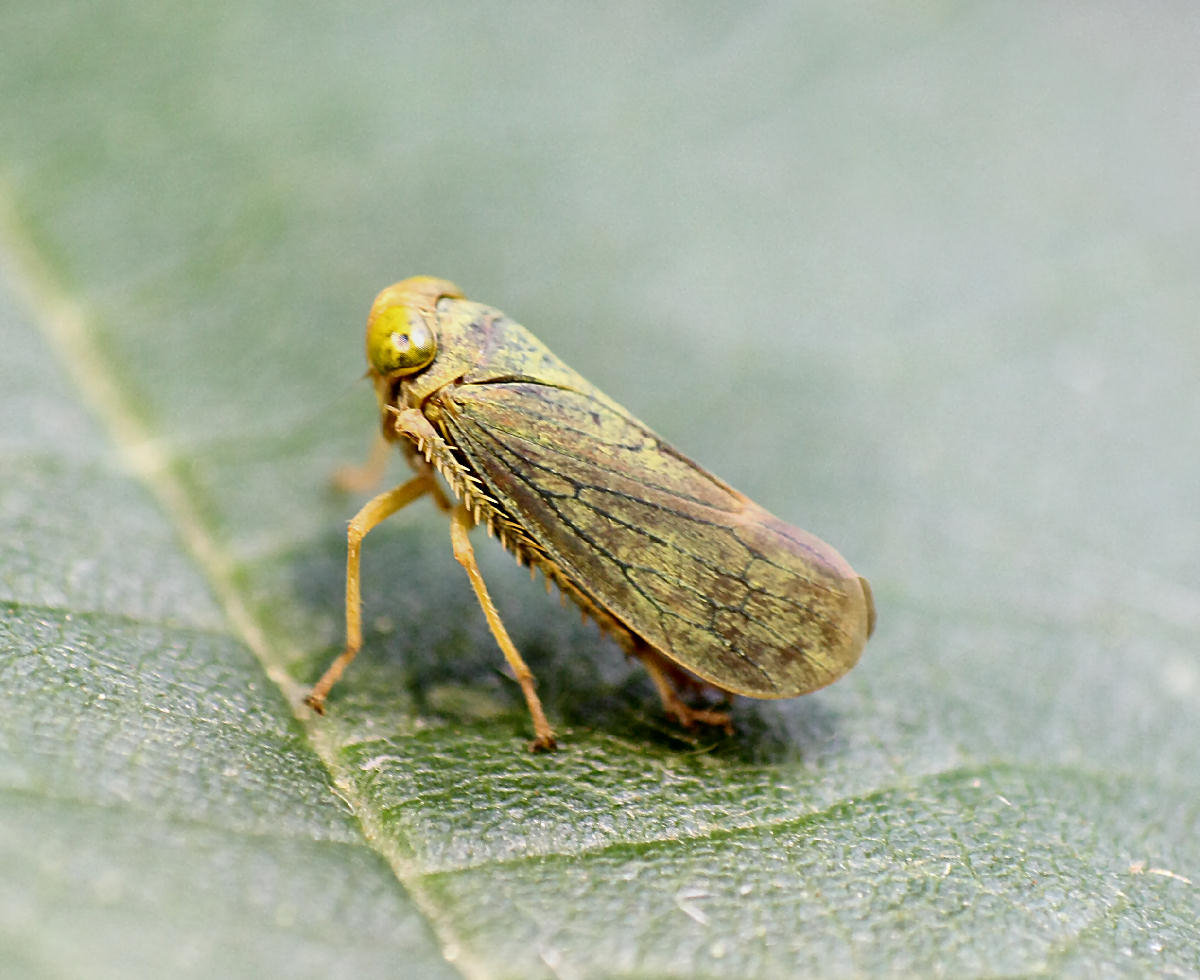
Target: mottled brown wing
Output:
[(704, 575)]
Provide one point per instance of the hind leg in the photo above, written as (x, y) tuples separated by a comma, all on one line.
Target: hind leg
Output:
[(666, 677)]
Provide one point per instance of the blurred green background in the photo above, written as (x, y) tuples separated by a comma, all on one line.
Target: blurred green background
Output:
[(919, 278)]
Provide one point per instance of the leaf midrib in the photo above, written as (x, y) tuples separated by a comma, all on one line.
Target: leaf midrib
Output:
[(70, 332)]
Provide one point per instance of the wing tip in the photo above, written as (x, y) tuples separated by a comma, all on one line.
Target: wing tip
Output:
[(869, 596)]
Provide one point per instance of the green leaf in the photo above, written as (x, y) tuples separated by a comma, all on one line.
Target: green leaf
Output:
[(920, 280)]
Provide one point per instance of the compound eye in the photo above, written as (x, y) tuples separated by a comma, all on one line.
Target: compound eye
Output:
[(399, 342)]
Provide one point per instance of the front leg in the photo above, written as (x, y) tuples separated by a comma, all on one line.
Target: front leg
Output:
[(377, 509), (432, 449)]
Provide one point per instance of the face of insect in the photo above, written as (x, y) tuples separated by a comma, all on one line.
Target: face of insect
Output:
[(400, 342), (400, 334)]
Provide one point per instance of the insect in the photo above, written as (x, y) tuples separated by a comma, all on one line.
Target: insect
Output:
[(688, 575)]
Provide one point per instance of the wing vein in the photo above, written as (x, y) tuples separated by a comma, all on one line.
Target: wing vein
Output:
[(684, 562)]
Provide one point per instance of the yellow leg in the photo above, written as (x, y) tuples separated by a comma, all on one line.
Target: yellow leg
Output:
[(360, 479), (377, 509), (364, 478), (673, 705), (460, 524)]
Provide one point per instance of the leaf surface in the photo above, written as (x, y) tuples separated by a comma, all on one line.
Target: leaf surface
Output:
[(919, 280)]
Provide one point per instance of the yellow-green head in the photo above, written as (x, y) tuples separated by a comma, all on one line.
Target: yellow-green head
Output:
[(400, 336)]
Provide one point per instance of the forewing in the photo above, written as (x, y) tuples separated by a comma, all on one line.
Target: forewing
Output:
[(700, 572)]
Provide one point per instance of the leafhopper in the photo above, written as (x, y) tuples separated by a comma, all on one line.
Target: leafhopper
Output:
[(691, 577)]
